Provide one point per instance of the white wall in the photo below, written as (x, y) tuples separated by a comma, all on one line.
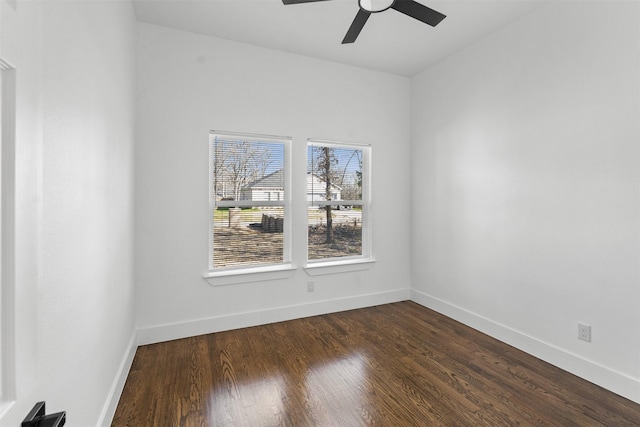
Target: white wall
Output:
[(526, 207), (20, 44), (74, 205), (190, 84)]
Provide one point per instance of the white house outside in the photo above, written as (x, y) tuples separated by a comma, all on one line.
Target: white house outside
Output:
[(271, 188)]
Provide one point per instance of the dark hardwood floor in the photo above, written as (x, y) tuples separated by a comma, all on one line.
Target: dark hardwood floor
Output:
[(392, 365)]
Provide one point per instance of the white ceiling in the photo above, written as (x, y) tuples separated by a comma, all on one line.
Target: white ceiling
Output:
[(390, 41)]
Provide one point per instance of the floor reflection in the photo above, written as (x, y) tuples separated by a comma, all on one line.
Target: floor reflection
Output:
[(326, 391)]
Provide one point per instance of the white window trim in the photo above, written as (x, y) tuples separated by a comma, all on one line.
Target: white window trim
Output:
[(356, 263), (336, 266), (285, 270), (250, 275), (235, 274)]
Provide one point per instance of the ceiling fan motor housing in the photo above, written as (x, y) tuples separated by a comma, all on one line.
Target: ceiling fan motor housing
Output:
[(375, 6)]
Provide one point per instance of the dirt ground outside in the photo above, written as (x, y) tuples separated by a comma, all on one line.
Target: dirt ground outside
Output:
[(244, 245)]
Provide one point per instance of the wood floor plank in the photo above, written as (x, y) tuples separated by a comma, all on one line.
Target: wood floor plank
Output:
[(391, 365)]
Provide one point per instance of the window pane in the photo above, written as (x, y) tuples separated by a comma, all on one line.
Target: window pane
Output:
[(244, 169), (334, 173), (248, 236), (342, 239)]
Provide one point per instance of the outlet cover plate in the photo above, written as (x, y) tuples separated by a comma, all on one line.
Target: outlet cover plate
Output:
[(584, 332)]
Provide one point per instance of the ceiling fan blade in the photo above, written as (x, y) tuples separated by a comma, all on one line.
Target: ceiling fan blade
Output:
[(418, 11), (299, 1), (356, 26)]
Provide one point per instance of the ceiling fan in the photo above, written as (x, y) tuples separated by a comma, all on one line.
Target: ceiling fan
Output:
[(409, 7)]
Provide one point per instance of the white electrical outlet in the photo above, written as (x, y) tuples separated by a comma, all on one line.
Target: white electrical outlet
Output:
[(310, 286), (584, 332)]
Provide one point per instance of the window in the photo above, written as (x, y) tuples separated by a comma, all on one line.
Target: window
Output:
[(249, 201), (338, 185)]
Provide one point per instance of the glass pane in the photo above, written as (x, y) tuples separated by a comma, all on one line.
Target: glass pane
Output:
[(342, 238), (247, 170), (333, 173), (247, 236)]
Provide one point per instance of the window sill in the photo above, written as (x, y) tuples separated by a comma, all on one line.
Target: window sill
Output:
[(334, 267), (249, 275)]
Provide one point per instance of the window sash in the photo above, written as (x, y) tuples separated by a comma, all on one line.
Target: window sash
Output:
[(336, 202), (249, 203)]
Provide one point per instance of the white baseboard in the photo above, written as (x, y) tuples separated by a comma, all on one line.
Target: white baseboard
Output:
[(109, 409), (603, 376), (209, 325)]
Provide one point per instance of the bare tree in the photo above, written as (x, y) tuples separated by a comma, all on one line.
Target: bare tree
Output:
[(351, 180), (352, 187), (218, 163), (238, 163), (246, 163), (324, 167)]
